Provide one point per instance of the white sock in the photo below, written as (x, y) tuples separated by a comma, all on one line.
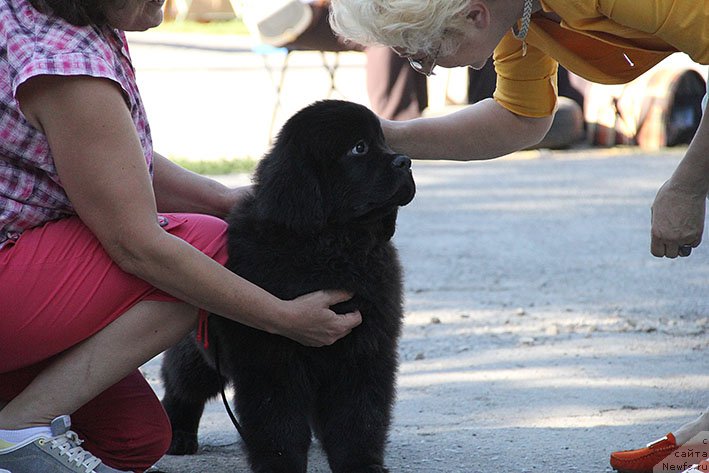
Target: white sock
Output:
[(18, 436)]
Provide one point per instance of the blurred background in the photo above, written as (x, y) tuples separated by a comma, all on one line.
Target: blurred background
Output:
[(219, 77)]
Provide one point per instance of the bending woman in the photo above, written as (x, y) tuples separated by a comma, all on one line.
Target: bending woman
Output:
[(604, 41)]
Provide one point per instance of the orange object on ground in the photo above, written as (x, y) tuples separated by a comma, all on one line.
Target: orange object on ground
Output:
[(643, 460)]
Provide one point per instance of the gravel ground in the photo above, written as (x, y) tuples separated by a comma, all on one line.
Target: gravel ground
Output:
[(540, 333)]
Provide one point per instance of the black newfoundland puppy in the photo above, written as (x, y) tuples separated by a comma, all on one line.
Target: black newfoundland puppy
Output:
[(323, 211)]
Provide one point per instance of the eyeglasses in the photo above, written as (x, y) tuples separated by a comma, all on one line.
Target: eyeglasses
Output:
[(426, 64)]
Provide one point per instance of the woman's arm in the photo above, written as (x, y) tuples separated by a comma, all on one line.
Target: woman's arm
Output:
[(680, 205), (101, 166), (484, 130), (180, 190)]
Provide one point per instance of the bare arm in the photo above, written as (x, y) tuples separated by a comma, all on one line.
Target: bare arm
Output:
[(484, 130), (101, 165), (180, 190), (679, 209)]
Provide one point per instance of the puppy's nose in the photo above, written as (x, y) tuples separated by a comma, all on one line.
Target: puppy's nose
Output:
[(401, 161)]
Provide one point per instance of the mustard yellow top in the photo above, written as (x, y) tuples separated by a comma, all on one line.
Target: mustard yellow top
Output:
[(604, 41)]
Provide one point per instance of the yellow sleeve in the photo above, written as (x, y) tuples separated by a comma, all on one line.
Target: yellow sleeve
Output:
[(526, 85), (684, 24)]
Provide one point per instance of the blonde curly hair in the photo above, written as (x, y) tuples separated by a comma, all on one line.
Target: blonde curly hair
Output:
[(410, 26)]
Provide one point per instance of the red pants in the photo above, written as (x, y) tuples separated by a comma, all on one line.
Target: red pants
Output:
[(58, 287)]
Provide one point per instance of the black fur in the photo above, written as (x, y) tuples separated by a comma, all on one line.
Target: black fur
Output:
[(322, 214)]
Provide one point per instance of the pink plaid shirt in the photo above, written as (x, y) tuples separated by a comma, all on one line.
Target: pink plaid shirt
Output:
[(32, 44)]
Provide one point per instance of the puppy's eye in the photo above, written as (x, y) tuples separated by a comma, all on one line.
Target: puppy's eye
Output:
[(360, 148)]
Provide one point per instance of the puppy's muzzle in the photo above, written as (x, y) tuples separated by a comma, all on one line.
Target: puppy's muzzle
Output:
[(401, 161)]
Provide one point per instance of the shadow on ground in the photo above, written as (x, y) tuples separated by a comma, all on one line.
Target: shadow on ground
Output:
[(540, 333)]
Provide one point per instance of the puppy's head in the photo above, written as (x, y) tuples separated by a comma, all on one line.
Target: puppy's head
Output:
[(330, 165)]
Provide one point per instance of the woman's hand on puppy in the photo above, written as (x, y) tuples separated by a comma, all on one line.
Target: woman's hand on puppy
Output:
[(311, 322)]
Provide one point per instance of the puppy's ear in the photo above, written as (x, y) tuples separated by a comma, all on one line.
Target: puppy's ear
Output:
[(288, 191)]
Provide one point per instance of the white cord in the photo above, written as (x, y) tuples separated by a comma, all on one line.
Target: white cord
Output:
[(521, 35)]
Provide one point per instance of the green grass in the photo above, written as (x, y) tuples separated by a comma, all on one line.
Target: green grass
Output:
[(235, 26), (218, 166)]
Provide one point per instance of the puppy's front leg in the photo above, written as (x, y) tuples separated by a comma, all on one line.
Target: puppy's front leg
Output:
[(353, 417), (273, 415)]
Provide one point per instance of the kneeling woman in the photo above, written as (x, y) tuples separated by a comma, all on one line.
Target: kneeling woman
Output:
[(95, 277)]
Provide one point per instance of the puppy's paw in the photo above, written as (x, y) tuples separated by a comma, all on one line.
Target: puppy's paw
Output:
[(183, 443)]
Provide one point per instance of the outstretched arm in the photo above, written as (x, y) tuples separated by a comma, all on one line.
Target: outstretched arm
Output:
[(484, 130)]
